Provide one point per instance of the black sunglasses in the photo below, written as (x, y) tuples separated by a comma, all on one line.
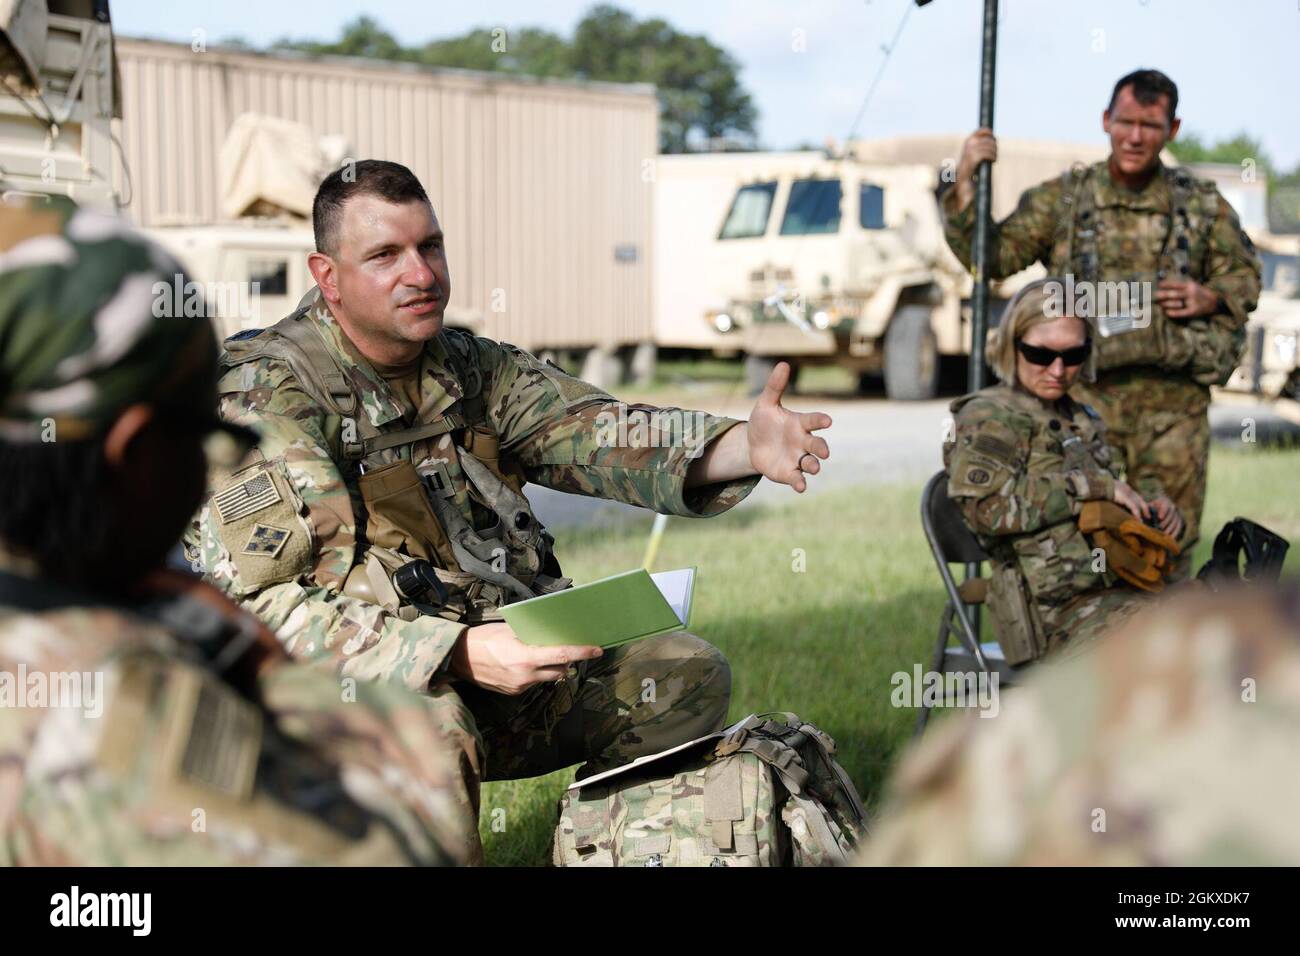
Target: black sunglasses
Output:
[(1037, 355)]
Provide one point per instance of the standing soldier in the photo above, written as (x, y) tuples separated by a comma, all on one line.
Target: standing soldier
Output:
[(1163, 261), (144, 719), (382, 525)]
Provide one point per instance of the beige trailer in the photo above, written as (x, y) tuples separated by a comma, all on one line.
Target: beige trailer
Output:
[(543, 187)]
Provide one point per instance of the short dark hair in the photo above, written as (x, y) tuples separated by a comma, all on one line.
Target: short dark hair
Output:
[(369, 177), (56, 507), (1148, 86)]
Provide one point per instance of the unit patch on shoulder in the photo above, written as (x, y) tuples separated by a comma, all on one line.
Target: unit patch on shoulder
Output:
[(994, 447), (260, 521), (266, 540), (248, 497)]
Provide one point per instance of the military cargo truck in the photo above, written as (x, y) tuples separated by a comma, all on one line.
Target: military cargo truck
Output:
[(1270, 366), (829, 258)]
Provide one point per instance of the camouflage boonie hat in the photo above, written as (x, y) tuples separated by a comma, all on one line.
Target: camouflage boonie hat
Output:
[(85, 324)]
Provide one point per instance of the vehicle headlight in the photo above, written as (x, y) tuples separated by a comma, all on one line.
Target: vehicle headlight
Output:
[(723, 323), (1284, 344)]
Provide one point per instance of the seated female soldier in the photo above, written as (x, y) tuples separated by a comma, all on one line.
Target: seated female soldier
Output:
[(1023, 460)]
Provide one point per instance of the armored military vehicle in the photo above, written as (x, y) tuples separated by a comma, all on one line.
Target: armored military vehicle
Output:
[(829, 258), (1271, 364)]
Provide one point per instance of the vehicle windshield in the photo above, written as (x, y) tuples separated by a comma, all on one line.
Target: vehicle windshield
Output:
[(749, 211), (1280, 274), (813, 208)]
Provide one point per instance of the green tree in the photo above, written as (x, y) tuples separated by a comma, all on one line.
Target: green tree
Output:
[(530, 51), (698, 83), (362, 37), (1283, 187), (1190, 148)]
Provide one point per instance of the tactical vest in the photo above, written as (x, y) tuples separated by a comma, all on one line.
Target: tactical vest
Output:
[(1140, 334), (407, 512), (1057, 561), (1040, 570)]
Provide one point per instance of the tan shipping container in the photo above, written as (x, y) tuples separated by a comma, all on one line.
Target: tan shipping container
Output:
[(541, 186)]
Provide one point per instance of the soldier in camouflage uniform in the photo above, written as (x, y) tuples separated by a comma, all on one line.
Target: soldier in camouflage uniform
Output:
[(1175, 332), (144, 719), (390, 445), (1023, 459), (1173, 744)]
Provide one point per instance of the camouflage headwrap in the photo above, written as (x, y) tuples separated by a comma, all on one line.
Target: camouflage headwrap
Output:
[(1042, 300), (86, 328)]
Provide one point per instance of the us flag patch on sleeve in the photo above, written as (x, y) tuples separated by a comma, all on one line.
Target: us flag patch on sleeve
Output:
[(250, 495)]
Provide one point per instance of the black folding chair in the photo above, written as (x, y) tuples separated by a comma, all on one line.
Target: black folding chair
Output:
[(951, 542)]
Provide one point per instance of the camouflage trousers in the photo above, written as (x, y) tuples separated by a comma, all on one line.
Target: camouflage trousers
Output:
[(1079, 623), (1161, 427), (637, 699)]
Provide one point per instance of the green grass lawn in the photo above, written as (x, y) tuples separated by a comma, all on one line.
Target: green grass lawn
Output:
[(824, 642), (726, 376)]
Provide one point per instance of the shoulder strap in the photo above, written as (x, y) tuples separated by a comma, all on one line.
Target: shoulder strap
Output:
[(1189, 214), (777, 742), (472, 404), (220, 640), (41, 594), (299, 330), (1080, 231)]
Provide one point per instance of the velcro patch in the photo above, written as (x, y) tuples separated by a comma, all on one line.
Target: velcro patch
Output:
[(573, 392), (262, 527), (978, 476), (993, 447), (248, 497), (223, 742), (266, 540), (190, 734)]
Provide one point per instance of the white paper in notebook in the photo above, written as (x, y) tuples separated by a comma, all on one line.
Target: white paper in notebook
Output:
[(677, 588)]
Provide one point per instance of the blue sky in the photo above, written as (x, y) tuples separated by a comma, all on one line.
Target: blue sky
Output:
[(1235, 61)]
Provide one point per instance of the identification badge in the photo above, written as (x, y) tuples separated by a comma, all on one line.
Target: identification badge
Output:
[(1112, 325)]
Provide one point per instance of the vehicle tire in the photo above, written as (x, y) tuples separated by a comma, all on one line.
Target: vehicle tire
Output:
[(757, 370), (869, 383), (911, 356)]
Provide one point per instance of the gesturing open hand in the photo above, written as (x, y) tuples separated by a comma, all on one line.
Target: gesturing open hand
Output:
[(782, 445)]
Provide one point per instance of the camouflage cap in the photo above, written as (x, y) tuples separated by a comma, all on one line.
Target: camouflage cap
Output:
[(1171, 742), (85, 324)]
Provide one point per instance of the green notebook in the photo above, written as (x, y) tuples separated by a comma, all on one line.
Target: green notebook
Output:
[(607, 612)]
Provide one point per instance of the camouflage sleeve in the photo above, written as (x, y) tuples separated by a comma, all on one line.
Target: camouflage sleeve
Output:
[(1033, 787), (174, 767), (995, 491), (401, 757), (573, 437), (297, 592), (1015, 243), (1232, 268)]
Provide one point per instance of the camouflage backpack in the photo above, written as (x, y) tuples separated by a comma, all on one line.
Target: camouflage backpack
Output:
[(765, 791)]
